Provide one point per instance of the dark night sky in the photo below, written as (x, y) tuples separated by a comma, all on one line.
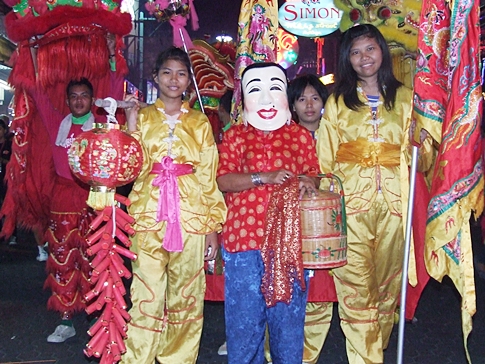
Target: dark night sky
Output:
[(218, 17)]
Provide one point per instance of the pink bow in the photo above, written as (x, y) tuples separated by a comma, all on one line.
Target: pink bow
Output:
[(169, 200), (193, 16), (178, 23)]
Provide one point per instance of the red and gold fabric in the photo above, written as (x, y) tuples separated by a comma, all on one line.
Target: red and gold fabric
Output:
[(448, 104), (68, 265)]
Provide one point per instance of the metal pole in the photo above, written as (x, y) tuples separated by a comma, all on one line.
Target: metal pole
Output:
[(193, 73), (141, 51), (405, 264)]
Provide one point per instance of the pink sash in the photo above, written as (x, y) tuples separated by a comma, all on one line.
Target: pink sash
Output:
[(169, 200)]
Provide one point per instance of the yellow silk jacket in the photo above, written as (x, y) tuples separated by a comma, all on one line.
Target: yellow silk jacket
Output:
[(370, 152), (202, 207)]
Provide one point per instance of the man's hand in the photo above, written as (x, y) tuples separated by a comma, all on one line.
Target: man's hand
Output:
[(111, 42)]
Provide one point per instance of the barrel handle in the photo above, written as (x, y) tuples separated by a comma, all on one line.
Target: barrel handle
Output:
[(333, 179)]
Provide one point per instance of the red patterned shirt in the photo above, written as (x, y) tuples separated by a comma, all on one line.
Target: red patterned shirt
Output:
[(245, 149)]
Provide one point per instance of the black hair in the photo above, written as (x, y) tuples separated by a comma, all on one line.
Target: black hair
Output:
[(260, 65), (81, 82), (175, 54), (299, 84), (5, 119), (226, 100), (346, 77)]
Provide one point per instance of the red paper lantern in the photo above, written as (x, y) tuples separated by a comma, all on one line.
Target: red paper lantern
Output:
[(105, 158)]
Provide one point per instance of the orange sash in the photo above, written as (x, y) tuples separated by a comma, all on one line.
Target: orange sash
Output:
[(369, 154)]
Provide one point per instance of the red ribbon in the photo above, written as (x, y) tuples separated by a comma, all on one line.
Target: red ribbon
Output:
[(169, 200)]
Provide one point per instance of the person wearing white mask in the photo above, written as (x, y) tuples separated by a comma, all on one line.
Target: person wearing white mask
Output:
[(266, 161)]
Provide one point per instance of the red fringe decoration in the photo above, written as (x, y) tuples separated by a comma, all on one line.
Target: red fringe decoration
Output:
[(29, 187), (65, 59), (76, 304), (20, 29), (23, 72), (67, 265)]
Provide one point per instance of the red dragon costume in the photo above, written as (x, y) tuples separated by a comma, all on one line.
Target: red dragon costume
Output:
[(56, 42)]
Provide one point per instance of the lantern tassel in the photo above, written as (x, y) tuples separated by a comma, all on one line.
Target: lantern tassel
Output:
[(100, 197)]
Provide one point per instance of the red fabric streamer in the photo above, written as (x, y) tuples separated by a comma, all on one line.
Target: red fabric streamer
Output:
[(281, 249)]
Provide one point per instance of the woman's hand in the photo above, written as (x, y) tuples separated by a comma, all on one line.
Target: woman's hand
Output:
[(132, 112), (276, 177), (423, 134), (308, 185), (211, 246)]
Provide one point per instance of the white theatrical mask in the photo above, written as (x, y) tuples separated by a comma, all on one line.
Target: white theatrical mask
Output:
[(265, 100)]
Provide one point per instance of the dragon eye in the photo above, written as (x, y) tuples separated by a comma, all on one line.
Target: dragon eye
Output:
[(355, 15), (384, 13)]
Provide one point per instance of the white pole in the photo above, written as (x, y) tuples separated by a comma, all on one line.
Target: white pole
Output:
[(193, 73), (407, 244)]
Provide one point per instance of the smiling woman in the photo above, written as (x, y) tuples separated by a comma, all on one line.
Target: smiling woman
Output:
[(369, 114)]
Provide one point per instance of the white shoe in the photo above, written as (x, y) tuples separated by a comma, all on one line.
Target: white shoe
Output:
[(61, 334), (42, 256), (13, 240), (222, 349)]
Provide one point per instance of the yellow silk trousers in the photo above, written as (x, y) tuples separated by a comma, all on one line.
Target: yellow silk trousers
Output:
[(368, 286), (318, 317), (167, 293)]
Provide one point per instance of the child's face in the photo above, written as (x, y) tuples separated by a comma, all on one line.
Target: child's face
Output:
[(172, 79)]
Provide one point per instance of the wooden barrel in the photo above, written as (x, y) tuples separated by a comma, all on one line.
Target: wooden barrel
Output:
[(324, 239)]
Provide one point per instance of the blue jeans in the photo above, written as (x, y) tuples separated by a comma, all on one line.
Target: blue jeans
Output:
[(246, 314)]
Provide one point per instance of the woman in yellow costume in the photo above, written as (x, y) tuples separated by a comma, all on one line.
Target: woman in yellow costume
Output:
[(178, 210), (363, 139)]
